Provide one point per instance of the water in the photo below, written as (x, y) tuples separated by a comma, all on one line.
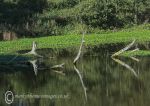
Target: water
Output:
[(96, 79)]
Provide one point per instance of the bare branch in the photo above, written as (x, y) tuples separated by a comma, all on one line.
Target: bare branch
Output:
[(124, 49), (80, 49), (137, 49), (33, 51)]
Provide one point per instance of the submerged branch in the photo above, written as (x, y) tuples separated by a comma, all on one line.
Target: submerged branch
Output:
[(124, 49)]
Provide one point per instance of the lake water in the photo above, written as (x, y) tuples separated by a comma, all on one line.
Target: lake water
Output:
[(96, 79)]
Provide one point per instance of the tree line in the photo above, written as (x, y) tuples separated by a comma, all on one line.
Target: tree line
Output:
[(55, 17)]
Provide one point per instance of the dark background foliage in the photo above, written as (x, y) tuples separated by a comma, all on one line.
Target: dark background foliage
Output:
[(55, 17)]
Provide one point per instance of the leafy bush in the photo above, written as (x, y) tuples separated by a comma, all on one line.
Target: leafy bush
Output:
[(47, 17)]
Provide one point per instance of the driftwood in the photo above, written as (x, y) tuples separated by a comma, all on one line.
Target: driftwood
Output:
[(80, 50), (81, 79), (125, 65), (33, 51), (137, 49), (124, 49)]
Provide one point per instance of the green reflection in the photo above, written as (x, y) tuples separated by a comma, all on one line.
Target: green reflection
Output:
[(96, 80)]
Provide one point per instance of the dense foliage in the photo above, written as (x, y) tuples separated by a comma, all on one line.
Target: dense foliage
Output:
[(53, 17)]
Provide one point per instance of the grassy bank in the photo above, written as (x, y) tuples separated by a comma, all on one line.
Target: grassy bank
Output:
[(74, 40), (136, 53)]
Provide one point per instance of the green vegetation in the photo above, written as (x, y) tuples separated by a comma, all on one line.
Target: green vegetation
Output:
[(58, 24), (74, 40), (105, 22), (55, 17), (136, 53), (116, 85)]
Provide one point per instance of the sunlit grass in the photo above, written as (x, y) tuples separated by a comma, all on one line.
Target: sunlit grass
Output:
[(136, 53), (74, 40)]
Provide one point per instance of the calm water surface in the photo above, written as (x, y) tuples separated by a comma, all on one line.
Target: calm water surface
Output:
[(96, 79)]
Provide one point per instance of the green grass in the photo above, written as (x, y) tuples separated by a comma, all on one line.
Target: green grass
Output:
[(136, 53), (74, 40)]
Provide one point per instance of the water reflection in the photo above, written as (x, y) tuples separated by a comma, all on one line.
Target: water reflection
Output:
[(81, 79), (135, 59), (58, 66), (95, 80), (125, 65), (35, 67)]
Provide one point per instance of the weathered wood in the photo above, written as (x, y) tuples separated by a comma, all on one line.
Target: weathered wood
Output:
[(33, 51), (80, 50), (137, 49), (124, 49)]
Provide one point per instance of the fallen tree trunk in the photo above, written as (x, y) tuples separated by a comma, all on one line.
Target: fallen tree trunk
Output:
[(124, 49)]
